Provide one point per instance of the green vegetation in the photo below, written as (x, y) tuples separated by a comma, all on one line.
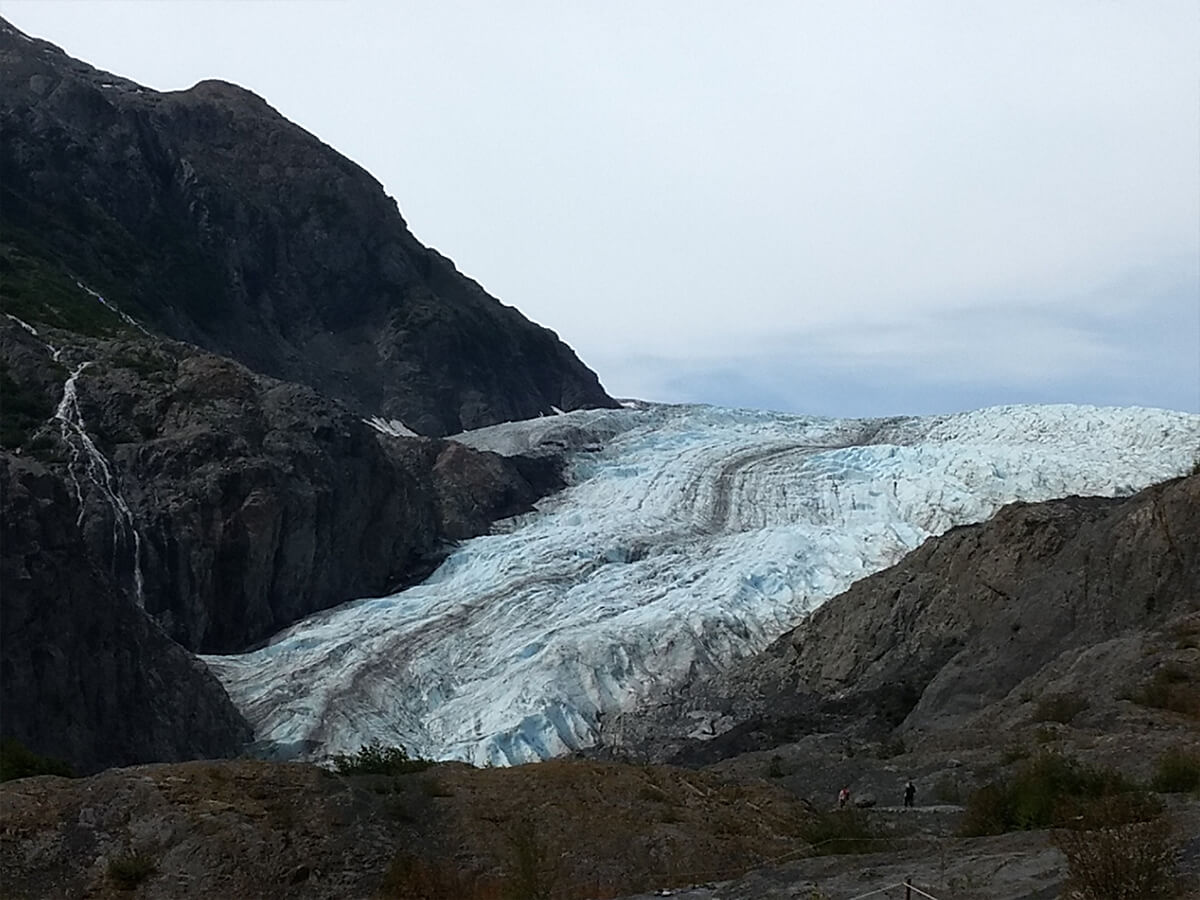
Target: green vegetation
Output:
[(18, 761), (1119, 848), (128, 871), (145, 362), (41, 293), (1061, 708), (376, 759), (1178, 772), (1038, 795)]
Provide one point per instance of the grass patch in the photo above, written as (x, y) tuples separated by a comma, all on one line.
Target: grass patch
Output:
[(145, 362), (376, 759), (39, 292), (1178, 772), (130, 870), (1038, 795), (18, 761)]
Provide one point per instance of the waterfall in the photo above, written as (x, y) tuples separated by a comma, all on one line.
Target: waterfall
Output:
[(89, 465)]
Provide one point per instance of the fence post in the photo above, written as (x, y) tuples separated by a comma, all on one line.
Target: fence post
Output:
[(908, 888)]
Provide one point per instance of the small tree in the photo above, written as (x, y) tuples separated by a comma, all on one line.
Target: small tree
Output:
[(376, 759)]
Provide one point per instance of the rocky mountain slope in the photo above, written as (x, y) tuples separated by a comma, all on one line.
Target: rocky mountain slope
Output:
[(163, 257), (212, 219), (964, 633), (756, 823), (216, 506), (251, 829)]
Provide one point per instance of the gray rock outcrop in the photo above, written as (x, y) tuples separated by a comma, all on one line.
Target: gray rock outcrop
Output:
[(950, 630)]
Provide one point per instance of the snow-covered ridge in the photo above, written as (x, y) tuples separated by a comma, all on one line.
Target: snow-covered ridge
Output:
[(689, 536)]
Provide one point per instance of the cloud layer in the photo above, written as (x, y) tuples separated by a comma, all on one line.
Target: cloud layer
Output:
[(912, 205)]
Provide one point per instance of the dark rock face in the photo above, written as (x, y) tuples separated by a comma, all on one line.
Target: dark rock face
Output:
[(87, 676), (212, 218), (255, 501), (954, 626), (215, 503)]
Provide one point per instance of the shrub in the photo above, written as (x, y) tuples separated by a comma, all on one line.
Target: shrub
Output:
[(1178, 772), (1034, 796), (1061, 708), (1120, 849), (18, 761), (128, 871), (376, 759), (1171, 688)]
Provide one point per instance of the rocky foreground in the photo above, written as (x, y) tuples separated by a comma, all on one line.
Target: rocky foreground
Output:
[(1097, 676)]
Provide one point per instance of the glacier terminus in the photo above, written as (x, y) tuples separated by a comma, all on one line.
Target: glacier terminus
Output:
[(688, 536)]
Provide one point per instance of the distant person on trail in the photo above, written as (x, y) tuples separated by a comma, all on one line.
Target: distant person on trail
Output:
[(910, 791), (843, 797)]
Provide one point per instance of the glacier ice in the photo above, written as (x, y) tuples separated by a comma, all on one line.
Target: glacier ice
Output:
[(689, 536)]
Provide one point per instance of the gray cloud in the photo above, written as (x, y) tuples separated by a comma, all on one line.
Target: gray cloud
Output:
[(897, 187)]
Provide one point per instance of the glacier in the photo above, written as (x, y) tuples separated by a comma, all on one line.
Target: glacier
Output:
[(688, 536)]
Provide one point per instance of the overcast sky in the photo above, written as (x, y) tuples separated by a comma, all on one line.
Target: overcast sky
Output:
[(844, 208)]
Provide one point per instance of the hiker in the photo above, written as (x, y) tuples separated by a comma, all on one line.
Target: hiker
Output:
[(843, 797), (910, 791)]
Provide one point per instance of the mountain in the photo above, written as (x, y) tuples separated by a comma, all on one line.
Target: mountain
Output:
[(219, 344), (688, 537), (1043, 599), (211, 219)]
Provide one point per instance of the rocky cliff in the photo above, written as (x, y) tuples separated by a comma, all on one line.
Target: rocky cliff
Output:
[(212, 219), (945, 639), (231, 504), (203, 306), (88, 677)]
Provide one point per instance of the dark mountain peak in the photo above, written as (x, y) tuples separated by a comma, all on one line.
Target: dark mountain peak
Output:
[(215, 220), (228, 92)]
